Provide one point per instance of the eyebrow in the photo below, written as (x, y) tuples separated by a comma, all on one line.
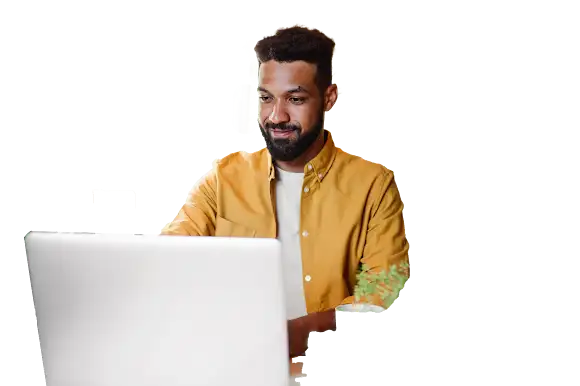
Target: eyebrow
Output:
[(295, 90)]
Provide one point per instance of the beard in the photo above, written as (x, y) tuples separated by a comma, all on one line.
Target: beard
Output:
[(288, 149)]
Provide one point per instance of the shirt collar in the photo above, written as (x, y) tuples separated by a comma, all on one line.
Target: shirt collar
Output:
[(320, 165)]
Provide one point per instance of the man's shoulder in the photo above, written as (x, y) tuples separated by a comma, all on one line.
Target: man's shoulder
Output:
[(242, 161), (360, 166)]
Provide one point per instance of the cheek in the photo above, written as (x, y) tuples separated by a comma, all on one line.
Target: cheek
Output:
[(263, 114), (307, 121)]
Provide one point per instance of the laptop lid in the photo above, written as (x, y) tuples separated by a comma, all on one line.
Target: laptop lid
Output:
[(121, 310)]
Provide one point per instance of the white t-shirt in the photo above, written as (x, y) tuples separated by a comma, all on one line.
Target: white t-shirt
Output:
[(288, 197)]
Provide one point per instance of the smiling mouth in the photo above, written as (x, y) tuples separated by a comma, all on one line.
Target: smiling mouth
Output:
[(282, 130), (277, 133)]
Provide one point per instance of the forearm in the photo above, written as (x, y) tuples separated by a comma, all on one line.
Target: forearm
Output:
[(300, 329), (315, 322), (322, 321)]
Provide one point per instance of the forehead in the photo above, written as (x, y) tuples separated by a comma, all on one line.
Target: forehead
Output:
[(280, 76)]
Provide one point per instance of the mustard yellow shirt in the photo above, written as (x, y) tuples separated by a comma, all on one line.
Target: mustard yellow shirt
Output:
[(351, 213)]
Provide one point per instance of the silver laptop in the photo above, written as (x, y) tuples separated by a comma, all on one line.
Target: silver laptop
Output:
[(137, 310)]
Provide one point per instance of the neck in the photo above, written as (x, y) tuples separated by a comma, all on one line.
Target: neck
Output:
[(297, 165)]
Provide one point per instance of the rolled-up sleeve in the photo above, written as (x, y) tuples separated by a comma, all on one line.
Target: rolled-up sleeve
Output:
[(386, 243), (197, 217)]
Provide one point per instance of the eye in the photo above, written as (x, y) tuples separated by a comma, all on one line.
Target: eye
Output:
[(297, 101), (264, 98)]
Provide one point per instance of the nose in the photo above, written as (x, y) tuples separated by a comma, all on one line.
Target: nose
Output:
[(279, 114)]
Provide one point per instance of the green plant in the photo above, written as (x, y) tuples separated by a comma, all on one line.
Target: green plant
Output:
[(386, 285)]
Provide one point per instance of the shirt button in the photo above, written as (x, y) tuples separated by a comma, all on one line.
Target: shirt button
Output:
[(305, 233), (320, 175), (306, 190), (309, 167), (307, 278)]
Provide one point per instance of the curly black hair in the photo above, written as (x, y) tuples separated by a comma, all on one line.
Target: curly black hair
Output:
[(300, 43)]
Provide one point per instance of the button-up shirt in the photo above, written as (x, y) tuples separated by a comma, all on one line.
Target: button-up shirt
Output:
[(351, 213)]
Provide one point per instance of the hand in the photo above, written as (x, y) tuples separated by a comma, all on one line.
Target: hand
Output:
[(299, 330)]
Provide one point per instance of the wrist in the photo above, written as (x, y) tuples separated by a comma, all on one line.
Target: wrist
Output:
[(323, 321)]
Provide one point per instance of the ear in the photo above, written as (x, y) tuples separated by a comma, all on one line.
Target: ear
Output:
[(330, 97)]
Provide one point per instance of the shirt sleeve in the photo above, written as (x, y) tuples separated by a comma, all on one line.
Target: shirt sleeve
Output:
[(197, 217), (386, 243)]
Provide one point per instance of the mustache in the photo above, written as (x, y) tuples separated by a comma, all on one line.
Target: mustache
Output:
[(281, 126)]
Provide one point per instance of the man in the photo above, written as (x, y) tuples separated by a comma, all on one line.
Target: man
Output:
[(331, 211)]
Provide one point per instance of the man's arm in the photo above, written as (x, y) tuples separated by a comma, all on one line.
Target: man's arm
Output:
[(386, 243), (299, 330), (197, 216)]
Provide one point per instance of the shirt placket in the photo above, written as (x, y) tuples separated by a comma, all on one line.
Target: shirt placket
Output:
[(309, 188)]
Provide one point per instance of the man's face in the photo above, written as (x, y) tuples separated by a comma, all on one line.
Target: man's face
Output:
[(291, 112)]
